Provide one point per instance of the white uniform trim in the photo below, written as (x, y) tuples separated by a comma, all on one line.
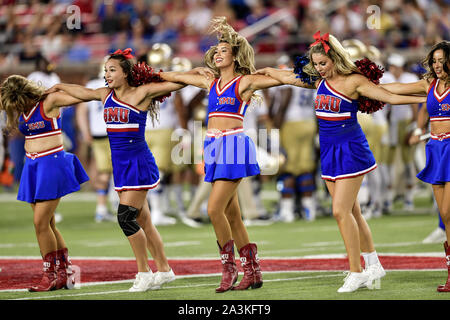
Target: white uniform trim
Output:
[(350, 175)]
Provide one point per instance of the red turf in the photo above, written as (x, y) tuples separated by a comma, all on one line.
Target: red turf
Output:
[(21, 273)]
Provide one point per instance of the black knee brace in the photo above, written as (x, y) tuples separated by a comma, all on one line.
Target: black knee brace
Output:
[(126, 215)]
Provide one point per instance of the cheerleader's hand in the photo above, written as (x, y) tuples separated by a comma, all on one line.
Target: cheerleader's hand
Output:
[(414, 140), (415, 136), (263, 71), (206, 72), (55, 88)]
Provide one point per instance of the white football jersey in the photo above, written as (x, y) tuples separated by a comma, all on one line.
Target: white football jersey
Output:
[(404, 111), (255, 110), (97, 124), (168, 116), (44, 79), (301, 106)]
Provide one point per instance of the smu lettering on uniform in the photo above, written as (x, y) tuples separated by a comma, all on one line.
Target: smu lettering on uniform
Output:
[(227, 100), (116, 114), (36, 125), (327, 102), (445, 107)]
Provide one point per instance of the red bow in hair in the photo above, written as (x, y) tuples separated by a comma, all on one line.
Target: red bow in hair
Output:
[(126, 53), (322, 39)]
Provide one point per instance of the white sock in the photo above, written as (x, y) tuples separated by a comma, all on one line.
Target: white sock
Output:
[(287, 208), (409, 197), (370, 258), (101, 210), (309, 204)]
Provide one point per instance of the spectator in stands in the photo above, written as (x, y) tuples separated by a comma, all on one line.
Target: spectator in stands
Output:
[(29, 52), (78, 51)]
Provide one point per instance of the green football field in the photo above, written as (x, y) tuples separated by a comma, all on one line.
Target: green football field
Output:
[(397, 235)]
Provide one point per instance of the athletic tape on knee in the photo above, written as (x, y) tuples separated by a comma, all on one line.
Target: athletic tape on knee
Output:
[(102, 192), (281, 185), (126, 216)]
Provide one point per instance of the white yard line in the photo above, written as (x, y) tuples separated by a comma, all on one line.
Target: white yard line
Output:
[(315, 256), (82, 294)]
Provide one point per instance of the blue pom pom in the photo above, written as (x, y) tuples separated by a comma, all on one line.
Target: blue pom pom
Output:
[(299, 63)]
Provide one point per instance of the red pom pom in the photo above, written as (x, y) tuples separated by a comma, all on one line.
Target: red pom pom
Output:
[(142, 73), (374, 73)]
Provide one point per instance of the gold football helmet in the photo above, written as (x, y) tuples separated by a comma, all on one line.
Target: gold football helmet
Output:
[(159, 55)]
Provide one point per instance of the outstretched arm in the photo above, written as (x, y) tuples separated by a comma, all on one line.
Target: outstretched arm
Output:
[(157, 89), (368, 89), (251, 83), (258, 82), (60, 99), (80, 92), (419, 87), (198, 77), (284, 76)]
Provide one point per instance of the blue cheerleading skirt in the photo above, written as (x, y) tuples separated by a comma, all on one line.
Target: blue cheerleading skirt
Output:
[(50, 175), (134, 167), (345, 154), (437, 151), (229, 155)]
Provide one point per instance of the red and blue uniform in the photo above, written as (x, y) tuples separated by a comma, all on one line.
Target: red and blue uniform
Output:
[(48, 174), (344, 150), (437, 150), (228, 154), (134, 167)]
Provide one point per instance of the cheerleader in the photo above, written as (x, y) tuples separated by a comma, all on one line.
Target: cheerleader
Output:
[(229, 154), (344, 151), (49, 172), (436, 84), (130, 96)]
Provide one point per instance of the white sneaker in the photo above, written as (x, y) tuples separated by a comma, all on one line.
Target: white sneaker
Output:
[(354, 281), (58, 217), (143, 282), (376, 272), (408, 206), (190, 222), (287, 210), (163, 277), (368, 213), (163, 220), (377, 213), (100, 217), (257, 222), (286, 216), (437, 236)]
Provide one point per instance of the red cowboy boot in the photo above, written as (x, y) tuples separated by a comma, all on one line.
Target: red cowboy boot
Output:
[(64, 273), (446, 287), (229, 268), (252, 271), (48, 281)]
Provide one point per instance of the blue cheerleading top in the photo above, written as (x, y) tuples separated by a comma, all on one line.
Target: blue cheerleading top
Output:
[(36, 124), (438, 105), (226, 102), (334, 110), (123, 121)]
